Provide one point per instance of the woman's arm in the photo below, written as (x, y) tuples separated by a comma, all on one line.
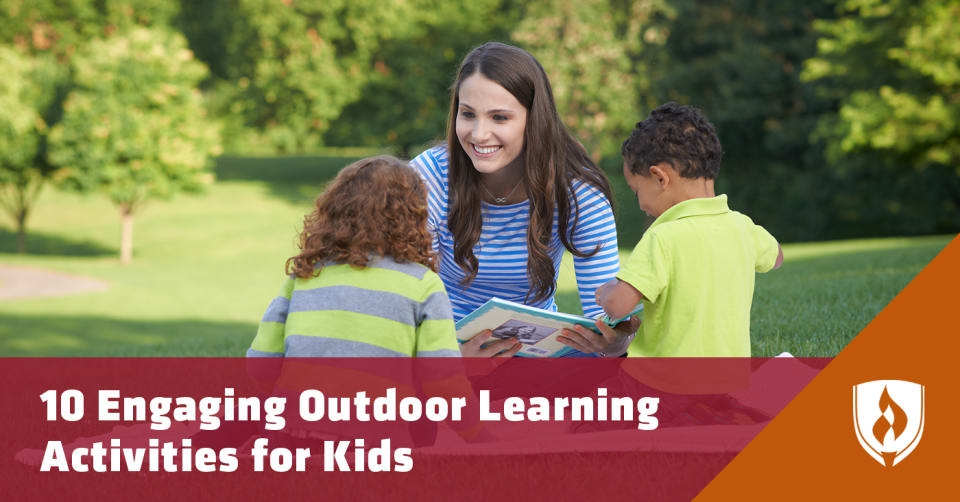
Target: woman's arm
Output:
[(432, 167), (595, 227)]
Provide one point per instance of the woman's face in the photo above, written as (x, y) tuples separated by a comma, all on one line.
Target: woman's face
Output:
[(490, 124)]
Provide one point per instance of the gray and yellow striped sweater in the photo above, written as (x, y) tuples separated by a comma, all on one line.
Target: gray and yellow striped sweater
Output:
[(386, 309)]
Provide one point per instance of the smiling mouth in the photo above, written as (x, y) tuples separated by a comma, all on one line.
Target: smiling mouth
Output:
[(485, 150)]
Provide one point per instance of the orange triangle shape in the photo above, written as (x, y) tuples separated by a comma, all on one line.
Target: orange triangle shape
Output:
[(810, 450)]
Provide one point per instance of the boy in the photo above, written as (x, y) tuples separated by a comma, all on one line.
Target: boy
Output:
[(694, 267)]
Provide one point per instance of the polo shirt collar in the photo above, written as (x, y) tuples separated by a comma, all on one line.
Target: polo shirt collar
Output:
[(694, 207)]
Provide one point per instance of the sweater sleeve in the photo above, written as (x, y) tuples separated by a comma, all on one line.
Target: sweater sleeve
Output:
[(595, 230), (436, 334), (270, 334)]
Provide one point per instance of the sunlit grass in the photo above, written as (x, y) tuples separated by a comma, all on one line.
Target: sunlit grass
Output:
[(205, 268), (824, 294)]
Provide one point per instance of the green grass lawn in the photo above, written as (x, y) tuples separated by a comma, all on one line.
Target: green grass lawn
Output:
[(205, 268)]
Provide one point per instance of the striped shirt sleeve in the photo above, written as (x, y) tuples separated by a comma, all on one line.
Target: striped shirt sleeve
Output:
[(436, 334), (270, 334), (431, 165), (595, 229)]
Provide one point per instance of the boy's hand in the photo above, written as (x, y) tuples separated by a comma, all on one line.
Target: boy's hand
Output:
[(779, 261), (610, 342), (476, 346)]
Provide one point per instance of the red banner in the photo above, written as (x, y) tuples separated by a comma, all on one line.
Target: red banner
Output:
[(379, 428)]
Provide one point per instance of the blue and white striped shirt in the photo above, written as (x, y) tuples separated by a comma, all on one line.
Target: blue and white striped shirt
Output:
[(502, 248)]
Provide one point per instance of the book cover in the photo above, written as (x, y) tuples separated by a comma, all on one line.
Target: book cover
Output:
[(536, 329)]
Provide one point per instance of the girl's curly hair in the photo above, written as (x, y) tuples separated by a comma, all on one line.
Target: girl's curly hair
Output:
[(374, 207)]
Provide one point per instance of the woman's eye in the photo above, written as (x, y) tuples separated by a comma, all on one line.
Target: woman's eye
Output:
[(466, 114), (500, 118)]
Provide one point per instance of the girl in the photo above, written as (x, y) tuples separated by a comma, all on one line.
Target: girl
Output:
[(510, 190), (363, 283)]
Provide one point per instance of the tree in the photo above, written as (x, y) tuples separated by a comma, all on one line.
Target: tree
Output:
[(894, 67), (28, 91), (599, 55), (283, 70), (61, 27), (135, 126), (405, 101), (740, 62), (38, 35)]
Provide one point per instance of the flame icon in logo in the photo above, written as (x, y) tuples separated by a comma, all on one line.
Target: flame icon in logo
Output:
[(882, 426), (888, 429)]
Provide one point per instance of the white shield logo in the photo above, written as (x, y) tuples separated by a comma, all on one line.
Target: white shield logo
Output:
[(888, 417)]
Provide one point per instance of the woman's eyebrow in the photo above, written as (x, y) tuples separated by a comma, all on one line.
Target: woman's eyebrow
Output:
[(498, 110)]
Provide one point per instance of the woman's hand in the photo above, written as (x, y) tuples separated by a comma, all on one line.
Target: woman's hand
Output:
[(610, 342), (479, 347)]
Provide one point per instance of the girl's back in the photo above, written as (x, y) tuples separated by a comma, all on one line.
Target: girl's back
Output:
[(386, 309), (363, 284)]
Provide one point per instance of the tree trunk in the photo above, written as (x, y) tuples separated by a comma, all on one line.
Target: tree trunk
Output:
[(22, 233), (126, 238)]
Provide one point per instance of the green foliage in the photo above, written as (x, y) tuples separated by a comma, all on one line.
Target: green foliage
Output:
[(135, 126), (283, 71), (20, 121), (739, 61), (62, 27), (894, 67), (863, 141), (912, 111), (599, 55), (28, 91), (405, 102)]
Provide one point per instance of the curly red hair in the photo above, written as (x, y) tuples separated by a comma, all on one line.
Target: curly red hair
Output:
[(374, 207)]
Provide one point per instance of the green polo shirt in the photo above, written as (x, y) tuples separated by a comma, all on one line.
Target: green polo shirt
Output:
[(695, 267)]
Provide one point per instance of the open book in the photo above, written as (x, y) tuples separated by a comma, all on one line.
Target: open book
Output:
[(536, 329)]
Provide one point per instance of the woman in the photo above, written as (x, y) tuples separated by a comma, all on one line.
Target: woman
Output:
[(509, 191)]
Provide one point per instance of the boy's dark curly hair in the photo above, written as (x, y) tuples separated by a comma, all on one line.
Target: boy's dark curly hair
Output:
[(374, 207), (678, 135)]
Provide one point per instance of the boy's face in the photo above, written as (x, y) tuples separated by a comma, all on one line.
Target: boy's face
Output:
[(648, 191)]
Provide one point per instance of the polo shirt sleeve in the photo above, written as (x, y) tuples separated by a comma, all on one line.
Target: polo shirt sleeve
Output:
[(766, 247), (647, 268)]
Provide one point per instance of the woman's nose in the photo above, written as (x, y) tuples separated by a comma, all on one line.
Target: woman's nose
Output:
[(481, 131)]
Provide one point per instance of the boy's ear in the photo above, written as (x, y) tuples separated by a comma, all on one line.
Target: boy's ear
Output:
[(659, 173)]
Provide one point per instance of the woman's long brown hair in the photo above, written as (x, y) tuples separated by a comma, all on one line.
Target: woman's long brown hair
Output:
[(552, 159), (374, 207)]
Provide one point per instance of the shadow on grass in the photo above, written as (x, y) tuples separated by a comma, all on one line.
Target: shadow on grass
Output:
[(296, 180), (46, 244), (54, 336)]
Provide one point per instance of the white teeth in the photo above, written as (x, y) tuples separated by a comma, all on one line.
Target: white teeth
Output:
[(485, 150)]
